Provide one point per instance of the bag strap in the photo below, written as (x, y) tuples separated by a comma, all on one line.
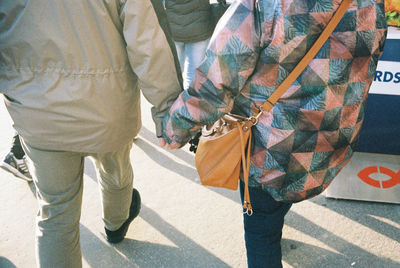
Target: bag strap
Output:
[(270, 102), (245, 145)]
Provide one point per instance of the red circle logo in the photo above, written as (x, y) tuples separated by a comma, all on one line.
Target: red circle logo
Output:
[(364, 175)]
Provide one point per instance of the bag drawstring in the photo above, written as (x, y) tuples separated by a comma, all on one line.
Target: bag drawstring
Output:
[(246, 169)]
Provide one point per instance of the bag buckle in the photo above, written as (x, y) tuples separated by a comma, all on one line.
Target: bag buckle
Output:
[(254, 118), (247, 209)]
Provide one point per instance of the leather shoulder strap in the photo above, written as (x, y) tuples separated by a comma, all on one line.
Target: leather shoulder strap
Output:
[(308, 57)]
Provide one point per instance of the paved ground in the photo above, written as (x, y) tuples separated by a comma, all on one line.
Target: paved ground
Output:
[(184, 224)]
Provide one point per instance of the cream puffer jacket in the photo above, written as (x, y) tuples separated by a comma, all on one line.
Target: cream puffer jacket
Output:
[(71, 71)]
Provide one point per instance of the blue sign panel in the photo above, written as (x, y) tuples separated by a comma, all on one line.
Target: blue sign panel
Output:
[(391, 51), (381, 129), (380, 132)]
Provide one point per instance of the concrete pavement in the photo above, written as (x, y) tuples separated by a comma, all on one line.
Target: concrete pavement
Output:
[(184, 224)]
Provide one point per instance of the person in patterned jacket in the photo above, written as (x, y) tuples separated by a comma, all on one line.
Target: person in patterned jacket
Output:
[(254, 47)]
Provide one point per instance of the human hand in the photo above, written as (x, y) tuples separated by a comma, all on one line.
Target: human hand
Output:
[(171, 146), (162, 142)]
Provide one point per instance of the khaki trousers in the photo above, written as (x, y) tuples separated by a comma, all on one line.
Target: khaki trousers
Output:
[(58, 177)]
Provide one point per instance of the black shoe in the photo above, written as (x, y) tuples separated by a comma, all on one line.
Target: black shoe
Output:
[(16, 166), (119, 234)]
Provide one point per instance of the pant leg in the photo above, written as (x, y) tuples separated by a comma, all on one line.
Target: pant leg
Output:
[(195, 55), (263, 230), (116, 184), (180, 50), (58, 177)]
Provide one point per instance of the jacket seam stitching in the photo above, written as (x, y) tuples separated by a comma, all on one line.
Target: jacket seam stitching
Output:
[(65, 71)]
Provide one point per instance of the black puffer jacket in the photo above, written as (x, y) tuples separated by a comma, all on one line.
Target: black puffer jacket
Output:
[(190, 20)]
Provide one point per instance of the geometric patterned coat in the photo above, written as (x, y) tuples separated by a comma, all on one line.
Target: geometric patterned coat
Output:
[(312, 131)]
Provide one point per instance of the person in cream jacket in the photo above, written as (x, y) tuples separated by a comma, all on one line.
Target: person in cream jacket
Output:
[(71, 73)]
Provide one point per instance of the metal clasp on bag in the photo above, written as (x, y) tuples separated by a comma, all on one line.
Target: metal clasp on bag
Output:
[(254, 119), (249, 212), (214, 129), (247, 208), (219, 128)]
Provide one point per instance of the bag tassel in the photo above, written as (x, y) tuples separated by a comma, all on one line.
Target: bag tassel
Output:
[(246, 169)]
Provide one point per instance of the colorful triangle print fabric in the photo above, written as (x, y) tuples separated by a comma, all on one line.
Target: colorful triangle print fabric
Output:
[(312, 131)]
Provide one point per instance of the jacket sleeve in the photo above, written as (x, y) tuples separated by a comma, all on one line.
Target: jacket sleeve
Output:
[(204, 3), (150, 57), (230, 59)]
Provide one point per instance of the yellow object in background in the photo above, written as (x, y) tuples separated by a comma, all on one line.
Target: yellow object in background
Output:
[(392, 12)]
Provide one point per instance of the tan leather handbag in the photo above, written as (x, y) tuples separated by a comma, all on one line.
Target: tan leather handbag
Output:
[(224, 147), (221, 152)]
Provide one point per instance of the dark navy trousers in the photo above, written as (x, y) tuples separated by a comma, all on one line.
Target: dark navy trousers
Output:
[(263, 229)]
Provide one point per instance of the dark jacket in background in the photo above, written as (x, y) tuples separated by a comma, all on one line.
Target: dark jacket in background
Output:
[(190, 20), (163, 21)]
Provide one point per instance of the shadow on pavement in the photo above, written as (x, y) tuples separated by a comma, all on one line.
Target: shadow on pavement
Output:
[(6, 263), (299, 254), (90, 169), (367, 214), (134, 253), (182, 154), (343, 253), (187, 253), (102, 255), (32, 187), (165, 161)]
